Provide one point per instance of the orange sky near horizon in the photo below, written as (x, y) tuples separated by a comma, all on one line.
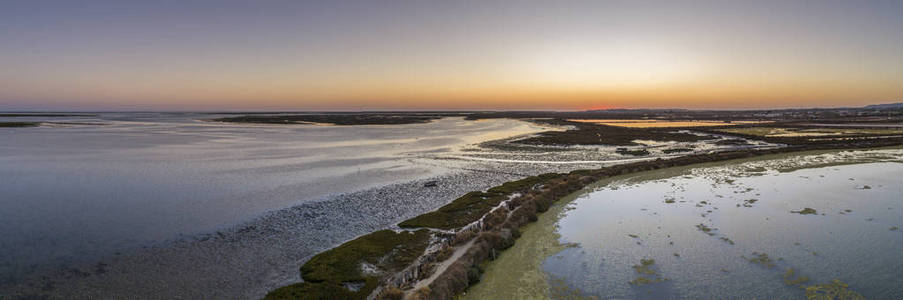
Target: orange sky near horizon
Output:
[(468, 55)]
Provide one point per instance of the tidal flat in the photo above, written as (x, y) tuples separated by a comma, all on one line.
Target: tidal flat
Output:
[(718, 230), (97, 206), (168, 205)]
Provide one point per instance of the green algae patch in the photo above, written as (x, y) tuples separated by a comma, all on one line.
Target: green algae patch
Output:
[(645, 267), (791, 279), (352, 270), (834, 290), (647, 274), (804, 211), (748, 202), (560, 290), (706, 229), (760, 259), (472, 206)]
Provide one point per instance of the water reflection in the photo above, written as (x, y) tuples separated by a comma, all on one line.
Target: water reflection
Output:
[(73, 192), (705, 229)]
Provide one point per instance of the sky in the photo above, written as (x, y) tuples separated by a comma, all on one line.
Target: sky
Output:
[(448, 55)]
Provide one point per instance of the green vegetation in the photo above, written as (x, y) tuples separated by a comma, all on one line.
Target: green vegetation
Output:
[(445, 253), (727, 240), (791, 281), (804, 211), (834, 290), (706, 229), (594, 134), (761, 259), (327, 274), (676, 150), (19, 124), (392, 293), (647, 274), (749, 202), (625, 151), (472, 206)]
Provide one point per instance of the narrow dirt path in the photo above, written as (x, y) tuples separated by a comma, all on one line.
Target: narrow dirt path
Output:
[(459, 251)]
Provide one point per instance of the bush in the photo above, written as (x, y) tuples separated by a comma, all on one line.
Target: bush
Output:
[(421, 294), (473, 275), (445, 253), (391, 293)]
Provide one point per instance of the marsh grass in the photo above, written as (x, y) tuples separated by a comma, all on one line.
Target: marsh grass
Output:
[(19, 124), (472, 206), (327, 274)]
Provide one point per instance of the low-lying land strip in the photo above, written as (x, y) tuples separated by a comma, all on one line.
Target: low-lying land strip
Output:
[(334, 119), (594, 134), (800, 134), (19, 124), (475, 228), (657, 123), (22, 115)]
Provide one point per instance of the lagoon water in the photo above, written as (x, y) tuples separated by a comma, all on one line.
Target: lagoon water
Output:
[(79, 188), (607, 230)]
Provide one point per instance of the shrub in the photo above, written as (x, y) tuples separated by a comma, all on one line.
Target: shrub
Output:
[(473, 275), (391, 293)]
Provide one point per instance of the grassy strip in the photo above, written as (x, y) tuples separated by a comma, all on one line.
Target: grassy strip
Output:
[(754, 132), (327, 274), (472, 206), (595, 134), (676, 150), (18, 124)]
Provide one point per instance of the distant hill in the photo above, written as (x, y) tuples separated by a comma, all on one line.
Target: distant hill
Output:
[(898, 105)]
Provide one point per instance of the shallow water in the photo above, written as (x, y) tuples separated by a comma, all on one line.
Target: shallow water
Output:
[(616, 225), (79, 188)]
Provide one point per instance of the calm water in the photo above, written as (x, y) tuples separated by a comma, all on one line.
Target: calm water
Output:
[(853, 236), (84, 187)]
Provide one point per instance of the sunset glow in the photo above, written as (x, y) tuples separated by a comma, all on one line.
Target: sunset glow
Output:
[(470, 55)]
